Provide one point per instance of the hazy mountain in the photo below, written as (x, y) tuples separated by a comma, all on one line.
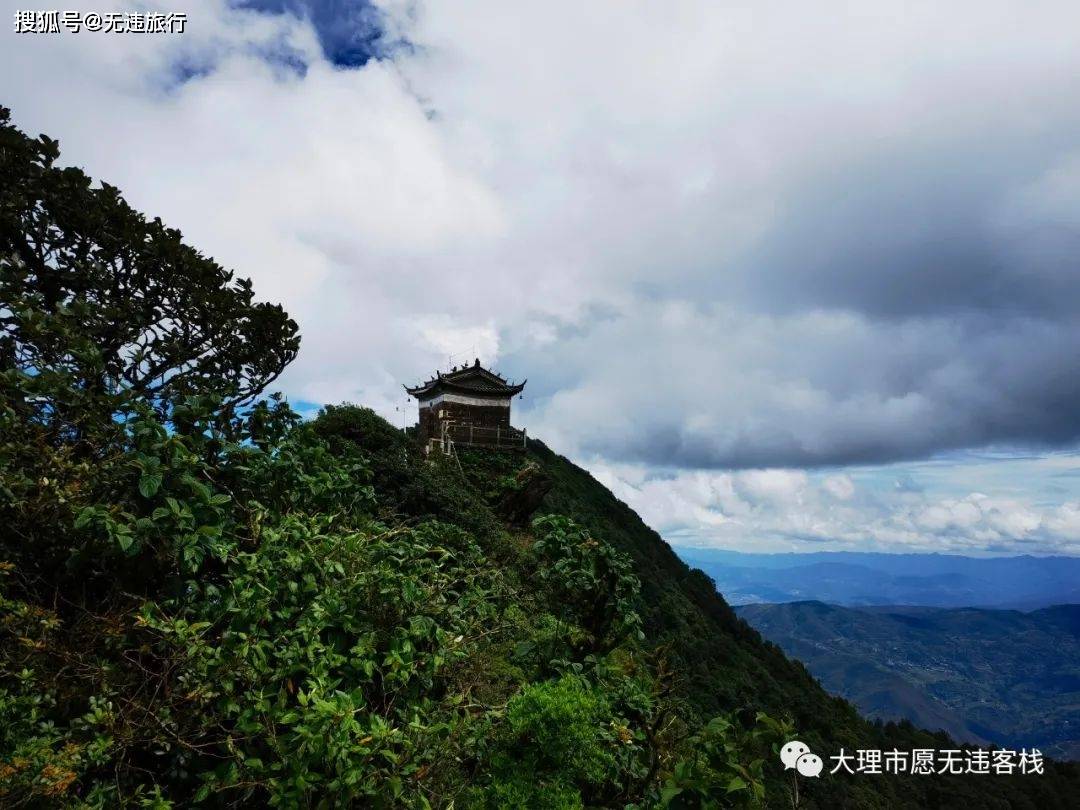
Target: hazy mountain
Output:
[(854, 578), (998, 676)]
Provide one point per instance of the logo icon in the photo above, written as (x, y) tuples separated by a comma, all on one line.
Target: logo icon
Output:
[(798, 755), (809, 765)]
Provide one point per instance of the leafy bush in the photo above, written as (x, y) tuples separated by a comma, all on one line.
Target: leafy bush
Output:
[(323, 658), (553, 745), (406, 483), (725, 764), (589, 580)]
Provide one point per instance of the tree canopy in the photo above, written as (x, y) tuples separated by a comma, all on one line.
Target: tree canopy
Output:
[(152, 316)]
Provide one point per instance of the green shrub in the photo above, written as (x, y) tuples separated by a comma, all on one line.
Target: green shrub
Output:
[(588, 581), (323, 658), (724, 764), (559, 728), (556, 743)]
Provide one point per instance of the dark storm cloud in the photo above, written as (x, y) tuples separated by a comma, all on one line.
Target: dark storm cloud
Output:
[(900, 234), (913, 297), (731, 388), (1017, 385)]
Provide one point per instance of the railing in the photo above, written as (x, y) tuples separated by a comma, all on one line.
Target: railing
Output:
[(506, 438)]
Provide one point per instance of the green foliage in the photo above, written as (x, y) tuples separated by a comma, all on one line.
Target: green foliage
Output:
[(555, 744), (154, 316), (324, 659), (588, 579), (405, 483), (102, 632), (725, 764), (219, 608), (722, 665), (561, 727)]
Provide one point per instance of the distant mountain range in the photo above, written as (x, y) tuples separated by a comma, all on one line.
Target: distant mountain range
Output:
[(984, 676), (856, 578)]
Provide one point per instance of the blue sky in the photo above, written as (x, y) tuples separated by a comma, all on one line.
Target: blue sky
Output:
[(785, 280), (350, 32)]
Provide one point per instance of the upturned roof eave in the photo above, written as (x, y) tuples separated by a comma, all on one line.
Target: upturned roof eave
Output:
[(435, 386)]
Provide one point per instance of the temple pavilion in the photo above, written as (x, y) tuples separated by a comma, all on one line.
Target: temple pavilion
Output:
[(467, 406)]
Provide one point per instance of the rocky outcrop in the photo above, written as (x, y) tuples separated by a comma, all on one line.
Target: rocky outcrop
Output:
[(522, 499)]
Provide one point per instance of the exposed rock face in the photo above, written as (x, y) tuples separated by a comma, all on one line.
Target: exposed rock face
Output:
[(531, 484)]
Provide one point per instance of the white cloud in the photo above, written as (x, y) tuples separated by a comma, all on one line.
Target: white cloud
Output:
[(791, 510), (839, 486)]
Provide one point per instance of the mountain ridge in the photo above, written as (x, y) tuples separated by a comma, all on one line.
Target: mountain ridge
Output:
[(984, 676), (1022, 582), (729, 664)]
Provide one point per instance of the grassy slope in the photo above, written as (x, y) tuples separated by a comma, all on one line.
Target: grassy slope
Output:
[(726, 665)]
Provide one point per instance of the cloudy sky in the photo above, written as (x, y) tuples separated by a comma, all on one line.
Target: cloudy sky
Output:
[(785, 280)]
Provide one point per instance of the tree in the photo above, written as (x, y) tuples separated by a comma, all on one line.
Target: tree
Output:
[(152, 316)]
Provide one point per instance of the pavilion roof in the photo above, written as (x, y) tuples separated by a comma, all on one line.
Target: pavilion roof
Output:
[(475, 380)]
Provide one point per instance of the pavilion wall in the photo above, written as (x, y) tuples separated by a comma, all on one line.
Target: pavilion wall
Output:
[(490, 413)]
